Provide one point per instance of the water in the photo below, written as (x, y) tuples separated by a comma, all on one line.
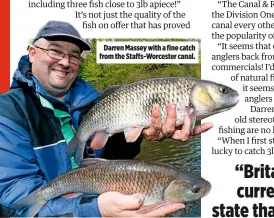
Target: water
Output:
[(184, 155)]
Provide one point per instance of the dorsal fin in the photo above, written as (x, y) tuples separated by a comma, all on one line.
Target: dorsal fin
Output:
[(91, 161), (110, 90)]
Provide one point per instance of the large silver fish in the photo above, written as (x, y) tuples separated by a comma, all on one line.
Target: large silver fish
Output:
[(127, 108), (158, 183)]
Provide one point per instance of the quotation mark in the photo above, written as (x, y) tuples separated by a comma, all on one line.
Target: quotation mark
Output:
[(222, 45), (221, 2), (239, 167)]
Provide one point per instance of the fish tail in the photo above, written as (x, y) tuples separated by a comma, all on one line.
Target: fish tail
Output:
[(79, 153), (32, 202), (72, 146), (75, 149)]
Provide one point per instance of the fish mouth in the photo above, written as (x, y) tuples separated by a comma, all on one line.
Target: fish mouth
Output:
[(226, 108), (236, 99), (231, 104), (206, 189)]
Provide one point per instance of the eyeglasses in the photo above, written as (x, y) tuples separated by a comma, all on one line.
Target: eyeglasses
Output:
[(60, 55)]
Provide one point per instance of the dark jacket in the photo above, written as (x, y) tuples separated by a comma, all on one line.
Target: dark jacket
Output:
[(32, 147)]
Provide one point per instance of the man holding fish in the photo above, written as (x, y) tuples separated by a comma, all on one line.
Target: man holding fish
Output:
[(37, 121)]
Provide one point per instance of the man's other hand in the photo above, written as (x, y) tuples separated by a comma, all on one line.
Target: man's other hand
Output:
[(115, 204), (158, 132)]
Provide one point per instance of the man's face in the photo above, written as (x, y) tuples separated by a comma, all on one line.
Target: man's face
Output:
[(55, 75)]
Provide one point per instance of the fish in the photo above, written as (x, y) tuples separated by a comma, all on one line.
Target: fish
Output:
[(158, 183), (127, 108)]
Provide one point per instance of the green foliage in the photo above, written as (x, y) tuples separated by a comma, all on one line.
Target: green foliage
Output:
[(102, 76)]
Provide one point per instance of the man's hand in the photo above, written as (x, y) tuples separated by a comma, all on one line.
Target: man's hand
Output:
[(158, 132), (115, 204)]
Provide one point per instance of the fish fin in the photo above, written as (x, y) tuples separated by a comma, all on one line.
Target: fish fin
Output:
[(99, 140), (91, 161), (192, 116), (110, 90), (71, 195), (151, 207), (31, 201), (72, 146), (76, 149), (78, 157), (188, 208), (132, 133)]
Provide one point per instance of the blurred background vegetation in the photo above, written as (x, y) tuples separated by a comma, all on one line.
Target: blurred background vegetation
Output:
[(102, 76)]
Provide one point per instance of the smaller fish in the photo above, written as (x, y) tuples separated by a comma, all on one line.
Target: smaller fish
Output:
[(159, 184)]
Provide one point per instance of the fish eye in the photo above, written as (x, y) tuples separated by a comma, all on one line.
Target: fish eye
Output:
[(196, 190), (223, 90)]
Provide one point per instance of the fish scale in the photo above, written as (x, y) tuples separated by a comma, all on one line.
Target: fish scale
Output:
[(119, 176), (140, 97)]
